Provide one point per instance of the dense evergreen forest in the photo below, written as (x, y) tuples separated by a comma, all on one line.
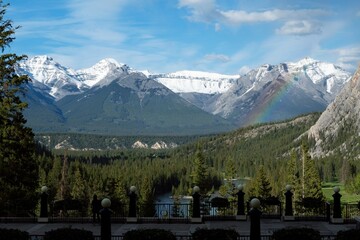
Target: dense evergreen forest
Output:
[(268, 154)]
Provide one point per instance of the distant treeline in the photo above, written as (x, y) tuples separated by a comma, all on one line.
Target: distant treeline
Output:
[(93, 141)]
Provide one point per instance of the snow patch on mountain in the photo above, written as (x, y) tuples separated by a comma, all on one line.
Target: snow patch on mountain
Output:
[(196, 81)]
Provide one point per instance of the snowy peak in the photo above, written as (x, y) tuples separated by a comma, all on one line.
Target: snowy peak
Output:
[(102, 73), (60, 80), (321, 73), (196, 81)]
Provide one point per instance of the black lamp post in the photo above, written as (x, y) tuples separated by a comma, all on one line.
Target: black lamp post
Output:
[(288, 201), (240, 202), (105, 219), (255, 214), (337, 203), (44, 202), (132, 203), (196, 202)]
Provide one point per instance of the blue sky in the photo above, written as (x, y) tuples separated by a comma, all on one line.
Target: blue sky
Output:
[(208, 35)]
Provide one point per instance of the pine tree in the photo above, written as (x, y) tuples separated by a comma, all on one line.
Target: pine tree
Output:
[(64, 189), (78, 190), (199, 174), (260, 186), (293, 177), (147, 197), (18, 168), (311, 183)]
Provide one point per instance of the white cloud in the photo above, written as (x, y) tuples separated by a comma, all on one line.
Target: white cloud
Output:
[(217, 58), (239, 17), (300, 28), (358, 13), (207, 11), (201, 10)]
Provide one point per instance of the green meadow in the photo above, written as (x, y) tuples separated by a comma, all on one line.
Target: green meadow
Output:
[(328, 191)]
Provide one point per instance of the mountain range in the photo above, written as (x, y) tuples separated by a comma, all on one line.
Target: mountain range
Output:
[(112, 98)]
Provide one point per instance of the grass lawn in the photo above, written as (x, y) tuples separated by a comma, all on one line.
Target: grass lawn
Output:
[(328, 191)]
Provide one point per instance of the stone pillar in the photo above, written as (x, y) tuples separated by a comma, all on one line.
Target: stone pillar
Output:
[(255, 214), (105, 219), (43, 205), (288, 204), (196, 218), (132, 205), (240, 215), (337, 206)]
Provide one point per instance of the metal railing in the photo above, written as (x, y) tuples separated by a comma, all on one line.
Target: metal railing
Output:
[(182, 213), (186, 237)]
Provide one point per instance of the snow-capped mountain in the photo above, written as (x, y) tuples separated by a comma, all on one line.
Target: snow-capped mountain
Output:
[(196, 82), (59, 81), (275, 92), (113, 93), (48, 75), (102, 73)]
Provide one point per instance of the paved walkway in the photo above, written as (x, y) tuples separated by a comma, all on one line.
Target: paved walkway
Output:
[(243, 227)]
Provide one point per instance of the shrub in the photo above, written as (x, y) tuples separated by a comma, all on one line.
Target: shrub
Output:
[(149, 234), (13, 234), (215, 234), (296, 234), (68, 234), (352, 234)]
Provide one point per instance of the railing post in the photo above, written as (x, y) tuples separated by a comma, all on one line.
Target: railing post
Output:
[(240, 215), (328, 210), (44, 205), (337, 206), (288, 204), (105, 219), (132, 205), (196, 218), (255, 214)]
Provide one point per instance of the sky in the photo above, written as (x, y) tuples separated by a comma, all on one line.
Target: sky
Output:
[(223, 36)]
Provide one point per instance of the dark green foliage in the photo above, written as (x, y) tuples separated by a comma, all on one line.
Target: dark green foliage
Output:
[(296, 234), (110, 173), (200, 171), (13, 234), (351, 234), (260, 186), (149, 234), (69, 234), (18, 169), (311, 183), (215, 234)]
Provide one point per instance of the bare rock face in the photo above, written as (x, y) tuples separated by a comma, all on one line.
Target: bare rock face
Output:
[(340, 121)]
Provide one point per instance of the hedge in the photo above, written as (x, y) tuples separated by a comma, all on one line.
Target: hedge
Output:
[(296, 234), (352, 234), (68, 234), (149, 234), (13, 234), (214, 234)]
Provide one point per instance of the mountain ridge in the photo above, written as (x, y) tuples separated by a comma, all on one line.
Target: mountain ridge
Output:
[(268, 93)]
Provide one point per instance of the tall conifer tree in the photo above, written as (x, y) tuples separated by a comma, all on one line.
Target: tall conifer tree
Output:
[(311, 183), (18, 169)]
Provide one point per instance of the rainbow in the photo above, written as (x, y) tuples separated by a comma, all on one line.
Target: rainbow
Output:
[(272, 103)]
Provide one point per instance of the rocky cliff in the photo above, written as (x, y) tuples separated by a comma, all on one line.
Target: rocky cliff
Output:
[(338, 128)]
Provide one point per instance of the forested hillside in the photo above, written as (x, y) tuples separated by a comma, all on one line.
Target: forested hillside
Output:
[(236, 155)]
